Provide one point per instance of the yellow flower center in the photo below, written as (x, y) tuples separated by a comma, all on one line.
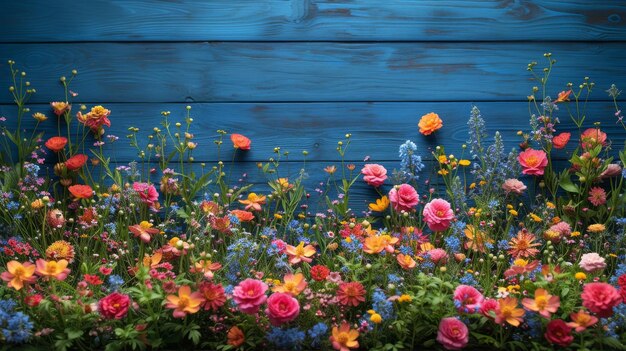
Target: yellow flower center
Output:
[(343, 338), (541, 301)]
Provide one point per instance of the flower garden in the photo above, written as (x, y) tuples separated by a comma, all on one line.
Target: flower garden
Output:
[(507, 249)]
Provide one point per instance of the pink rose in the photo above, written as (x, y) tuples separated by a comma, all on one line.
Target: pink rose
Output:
[(488, 306), (611, 170), (453, 334), (533, 161), (114, 306), (403, 197), (282, 308), (467, 299), (600, 298), (374, 174), (592, 262), (147, 193), (438, 214), (513, 186), (438, 256), (250, 295)]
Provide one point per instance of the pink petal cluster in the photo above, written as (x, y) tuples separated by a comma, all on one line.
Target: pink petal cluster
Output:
[(468, 299), (282, 308), (114, 306), (452, 334), (250, 295), (403, 197), (147, 193), (592, 262), (563, 228), (513, 186), (532, 161), (600, 298), (438, 214), (438, 256), (374, 174)]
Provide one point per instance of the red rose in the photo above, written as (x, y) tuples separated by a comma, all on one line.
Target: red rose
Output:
[(56, 144), (559, 141), (319, 272), (76, 162), (559, 333), (114, 306)]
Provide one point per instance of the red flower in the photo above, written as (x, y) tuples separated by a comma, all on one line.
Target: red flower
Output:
[(600, 298), (319, 272), (214, 296), (81, 191), (559, 141), (240, 141), (351, 293), (33, 300), (592, 137), (559, 333), (76, 162), (93, 279), (533, 161), (56, 144), (114, 306), (243, 216)]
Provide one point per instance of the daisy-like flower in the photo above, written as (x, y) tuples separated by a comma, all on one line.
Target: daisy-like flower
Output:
[(254, 202), (60, 249), (523, 245), (18, 274), (508, 312), (206, 267), (214, 295), (521, 266), (144, 231), (300, 253), (380, 205), (344, 338), (352, 293), (543, 303), (597, 196), (581, 320), (185, 302)]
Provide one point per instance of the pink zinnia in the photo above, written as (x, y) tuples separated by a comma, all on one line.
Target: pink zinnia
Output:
[(282, 308), (438, 214), (467, 299), (114, 306), (374, 174), (250, 295), (532, 161), (352, 293), (597, 196), (146, 192), (403, 197), (592, 262), (600, 298), (488, 306)]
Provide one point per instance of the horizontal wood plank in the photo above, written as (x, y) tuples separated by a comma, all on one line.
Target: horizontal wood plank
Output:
[(346, 20), (377, 128), (231, 72)]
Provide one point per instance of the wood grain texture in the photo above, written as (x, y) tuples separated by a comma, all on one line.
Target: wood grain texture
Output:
[(230, 72), (377, 128), (330, 20)]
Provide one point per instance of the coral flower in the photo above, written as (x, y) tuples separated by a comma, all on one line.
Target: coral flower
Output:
[(403, 197), (235, 336), (206, 267), (561, 140), (374, 174), (53, 269), (56, 144), (144, 231), (254, 202), (597, 196), (243, 216), (344, 338), (250, 295), (592, 137), (563, 96), (300, 253), (60, 108), (476, 239), (18, 274), (521, 266), (523, 245), (292, 284), (513, 186), (507, 311), (214, 295), (96, 118), (467, 299), (406, 261), (240, 142), (438, 214), (543, 303), (374, 244), (76, 162), (147, 193), (532, 161), (319, 272), (282, 308), (60, 250), (352, 293), (185, 302), (430, 123), (581, 320), (381, 204), (152, 261), (81, 191)]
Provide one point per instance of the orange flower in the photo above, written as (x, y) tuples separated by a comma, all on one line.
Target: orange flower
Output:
[(96, 118), (18, 274), (429, 123), (185, 302), (476, 239), (76, 162), (507, 311), (380, 205), (300, 253), (543, 303), (330, 169), (563, 96), (56, 144), (206, 267), (235, 336), (81, 191), (523, 245), (209, 207), (406, 261), (373, 244), (293, 284), (243, 216), (60, 107), (144, 231), (152, 261), (582, 320), (344, 338), (240, 142), (53, 269), (254, 202), (352, 293)]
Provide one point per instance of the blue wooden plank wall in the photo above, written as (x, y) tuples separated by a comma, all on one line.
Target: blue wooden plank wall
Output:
[(300, 74)]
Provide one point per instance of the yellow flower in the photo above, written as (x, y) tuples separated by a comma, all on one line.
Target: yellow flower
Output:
[(442, 159), (405, 298), (375, 317), (513, 213), (278, 216), (596, 228), (580, 276), (576, 233), (472, 186), (443, 172), (550, 205), (535, 218), (465, 163), (40, 117), (482, 182), (380, 205), (37, 204)]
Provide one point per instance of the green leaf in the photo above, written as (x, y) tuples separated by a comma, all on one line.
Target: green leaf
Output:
[(73, 333), (566, 183)]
